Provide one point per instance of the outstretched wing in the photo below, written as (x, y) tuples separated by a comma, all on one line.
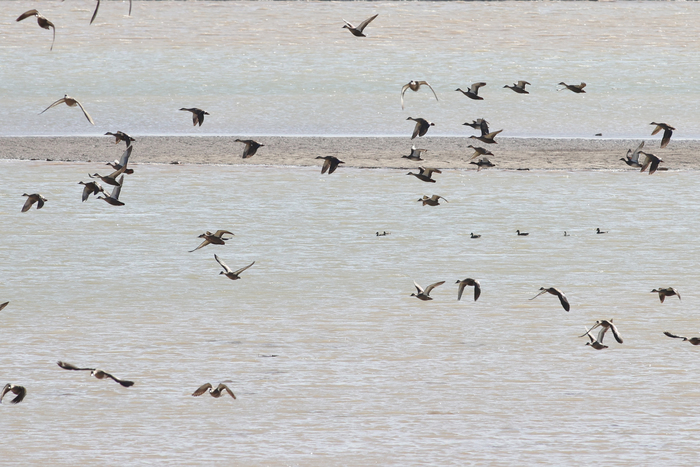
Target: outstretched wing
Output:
[(543, 291), (27, 14), (666, 138), (223, 387), (244, 268), (87, 115), (462, 285), (123, 382), (403, 91), (68, 366), (60, 101), (202, 389), (418, 287), (3, 305), (222, 264), (97, 7), (432, 286), (674, 336), (564, 302), (204, 243), (364, 24), (477, 290), (431, 88)]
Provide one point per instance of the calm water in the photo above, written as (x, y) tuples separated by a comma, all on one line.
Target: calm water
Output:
[(365, 374), (288, 68)]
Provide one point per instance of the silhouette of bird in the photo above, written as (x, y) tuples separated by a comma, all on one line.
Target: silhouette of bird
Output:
[(70, 102), (473, 91), (577, 88), (692, 340), (415, 154), (91, 188), (668, 131), (121, 165), (425, 174), (251, 147), (518, 87), (228, 272), (652, 162), (216, 238), (19, 391), (197, 115), (113, 198), (31, 199), (330, 164), (425, 294), (596, 344), (121, 136), (554, 291), (469, 282), (97, 7), (41, 21), (415, 86), (522, 234), (111, 179), (422, 126), (99, 374), (432, 201), (475, 236), (632, 158), (479, 151), (358, 31), (605, 325), (3, 305), (216, 393), (667, 292), (598, 231), (488, 138), (484, 162), (479, 124)]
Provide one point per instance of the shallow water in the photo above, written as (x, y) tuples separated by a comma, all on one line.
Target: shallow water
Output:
[(364, 373), (288, 68)]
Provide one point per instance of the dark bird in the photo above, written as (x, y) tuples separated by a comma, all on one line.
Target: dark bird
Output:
[(99, 374), (121, 165), (422, 126), (330, 164), (357, 31), (3, 305), (70, 102), (605, 325), (598, 231), (415, 154), (469, 282), (43, 22), (692, 340), (228, 272), (197, 115), (577, 88), (216, 238), (113, 198), (425, 174), (425, 294), (121, 136), (566, 234), (479, 124), (475, 236), (488, 138), (19, 391), (668, 131), (91, 188), (31, 199), (518, 87), (595, 343), (473, 91), (479, 151), (632, 157), (484, 162), (522, 234), (383, 234), (652, 162), (667, 292), (558, 293), (97, 7), (251, 147), (432, 201), (415, 86), (218, 392)]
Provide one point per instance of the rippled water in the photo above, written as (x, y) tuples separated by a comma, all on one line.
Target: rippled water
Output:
[(365, 373), (288, 68)]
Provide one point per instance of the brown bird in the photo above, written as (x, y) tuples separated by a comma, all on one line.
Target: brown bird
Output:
[(518, 87), (484, 162), (330, 164), (469, 282), (605, 324), (415, 86), (425, 294), (357, 31), (596, 344), (121, 165), (479, 151), (19, 391), (432, 201), (70, 102), (113, 198), (652, 162), (479, 124), (216, 393), (42, 21), (425, 174), (632, 157), (488, 138), (197, 115), (121, 136), (668, 131), (577, 88), (692, 340), (99, 374), (216, 238), (473, 91), (31, 199), (554, 291), (91, 188), (415, 154), (422, 126), (251, 147), (667, 292), (228, 272)]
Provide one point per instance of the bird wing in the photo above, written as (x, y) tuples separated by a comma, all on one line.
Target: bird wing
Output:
[(244, 268), (202, 389), (349, 24), (654, 165), (676, 292), (21, 391), (563, 300), (656, 130), (27, 204), (27, 14), (666, 138), (223, 265), (431, 88), (543, 291), (647, 162), (6, 389), (129, 7), (223, 387), (462, 285), (97, 7), (635, 153), (483, 126), (326, 165), (117, 189), (60, 101), (588, 333), (616, 333), (581, 86), (403, 91), (475, 87), (203, 244), (200, 116), (416, 130), (601, 333), (3, 305), (123, 382), (418, 287), (432, 286), (39, 202), (124, 160), (364, 24), (194, 118), (68, 366), (221, 233), (87, 115), (521, 84), (674, 336), (246, 150), (477, 289), (54, 34), (492, 135)]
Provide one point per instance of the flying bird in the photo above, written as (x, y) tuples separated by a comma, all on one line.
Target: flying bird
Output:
[(216, 238), (330, 164), (99, 374), (595, 343), (692, 340), (216, 393), (473, 91), (605, 325), (632, 157), (97, 7), (113, 198), (251, 147), (121, 165), (667, 292), (422, 126), (425, 174), (357, 31), (228, 272), (197, 115), (432, 201), (487, 138), (469, 282), (31, 199), (19, 391), (577, 88), (479, 124), (415, 86), (415, 154), (479, 151), (42, 21), (91, 188), (554, 291), (518, 87), (425, 294), (668, 131), (70, 102), (652, 162), (484, 162), (121, 136)]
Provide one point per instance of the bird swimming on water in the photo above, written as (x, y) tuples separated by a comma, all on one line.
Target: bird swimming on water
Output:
[(331, 163), (31, 199), (577, 88), (522, 234), (216, 393), (425, 174), (197, 115), (598, 231), (554, 291), (668, 131), (216, 238), (358, 31), (469, 282), (474, 236), (42, 21), (432, 201), (667, 292), (425, 294), (70, 102), (415, 86), (518, 87), (251, 147), (19, 391), (228, 272), (692, 340), (473, 91), (99, 374), (415, 154), (422, 126)]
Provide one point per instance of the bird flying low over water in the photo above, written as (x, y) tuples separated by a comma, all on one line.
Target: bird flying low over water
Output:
[(479, 124), (422, 126), (554, 291), (42, 21), (113, 198), (91, 188), (425, 294), (595, 343), (216, 393), (668, 131), (652, 162), (469, 282), (667, 292), (415, 154), (473, 91), (251, 147), (216, 238), (692, 340), (484, 162), (331, 163), (358, 31), (604, 325), (632, 158), (425, 174), (518, 87), (228, 272), (479, 151), (432, 201), (19, 391), (415, 86), (70, 102), (31, 199), (121, 136), (121, 165), (99, 374), (197, 115), (488, 138), (577, 88)]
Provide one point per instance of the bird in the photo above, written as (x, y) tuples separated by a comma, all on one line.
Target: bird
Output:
[(251, 147), (228, 272), (692, 340), (605, 324), (70, 102), (121, 136), (479, 124), (425, 174), (91, 188), (113, 198), (216, 238), (415, 154), (518, 87), (474, 236), (415, 86), (479, 151), (566, 234), (554, 291), (632, 157), (483, 162), (522, 234), (216, 393), (383, 234), (668, 131), (425, 294), (432, 201), (97, 7), (3, 305), (667, 292), (121, 165), (598, 231), (330, 165), (596, 344), (487, 138), (358, 31), (19, 391), (99, 374), (31, 199), (473, 91), (41, 21), (197, 115), (422, 126), (652, 162), (577, 88), (469, 282)]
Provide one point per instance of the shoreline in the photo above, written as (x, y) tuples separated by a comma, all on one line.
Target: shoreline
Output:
[(444, 152)]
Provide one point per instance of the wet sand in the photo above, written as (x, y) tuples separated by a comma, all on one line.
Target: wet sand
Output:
[(365, 152)]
